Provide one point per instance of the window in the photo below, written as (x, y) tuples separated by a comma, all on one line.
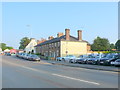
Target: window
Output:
[(55, 44), (58, 44), (52, 44)]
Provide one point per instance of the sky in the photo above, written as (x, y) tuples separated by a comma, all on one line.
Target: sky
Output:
[(48, 18)]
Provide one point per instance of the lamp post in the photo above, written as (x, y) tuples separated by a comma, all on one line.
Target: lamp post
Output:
[(29, 26)]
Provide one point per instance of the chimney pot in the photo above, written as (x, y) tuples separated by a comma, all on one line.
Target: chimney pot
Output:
[(50, 37), (59, 34)]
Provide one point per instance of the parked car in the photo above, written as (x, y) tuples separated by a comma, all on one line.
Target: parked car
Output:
[(26, 56), (59, 59), (7, 54), (91, 59), (81, 59), (22, 55), (69, 58), (34, 58), (117, 62), (94, 58), (109, 58), (17, 54)]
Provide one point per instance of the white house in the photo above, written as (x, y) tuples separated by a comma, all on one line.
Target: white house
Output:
[(30, 47)]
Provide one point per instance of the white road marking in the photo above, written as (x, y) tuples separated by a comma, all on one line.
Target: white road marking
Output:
[(42, 63), (75, 79)]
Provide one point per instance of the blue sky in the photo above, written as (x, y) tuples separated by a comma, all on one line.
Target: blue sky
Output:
[(49, 18)]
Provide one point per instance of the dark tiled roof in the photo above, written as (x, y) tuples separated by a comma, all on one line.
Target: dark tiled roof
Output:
[(60, 38)]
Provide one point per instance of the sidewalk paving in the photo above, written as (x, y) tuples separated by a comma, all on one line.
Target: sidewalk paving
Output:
[(87, 66)]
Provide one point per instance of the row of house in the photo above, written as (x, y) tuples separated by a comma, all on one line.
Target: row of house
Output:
[(61, 45)]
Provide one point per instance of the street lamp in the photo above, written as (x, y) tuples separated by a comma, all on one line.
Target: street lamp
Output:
[(29, 26)]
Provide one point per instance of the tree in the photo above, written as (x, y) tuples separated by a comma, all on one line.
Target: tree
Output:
[(117, 45), (112, 46), (3, 46), (100, 44), (9, 48), (24, 42)]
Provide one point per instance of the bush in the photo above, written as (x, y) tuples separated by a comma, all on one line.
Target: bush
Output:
[(37, 53)]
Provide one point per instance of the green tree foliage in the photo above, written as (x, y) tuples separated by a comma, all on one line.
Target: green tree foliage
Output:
[(3, 46), (9, 48), (117, 45), (24, 42), (100, 44), (112, 46)]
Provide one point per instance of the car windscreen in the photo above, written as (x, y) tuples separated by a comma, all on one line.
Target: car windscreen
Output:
[(70, 56), (90, 56), (34, 55), (109, 56)]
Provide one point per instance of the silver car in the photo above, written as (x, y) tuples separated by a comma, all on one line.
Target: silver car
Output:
[(69, 58), (117, 62), (34, 58)]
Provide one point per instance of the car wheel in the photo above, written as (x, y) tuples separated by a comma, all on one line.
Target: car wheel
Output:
[(63, 59)]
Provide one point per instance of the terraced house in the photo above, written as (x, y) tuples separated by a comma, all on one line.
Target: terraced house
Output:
[(63, 45)]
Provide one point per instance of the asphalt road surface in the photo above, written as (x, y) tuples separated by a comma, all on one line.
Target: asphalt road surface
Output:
[(19, 73)]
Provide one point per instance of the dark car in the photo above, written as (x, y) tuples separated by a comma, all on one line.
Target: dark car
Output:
[(91, 59), (109, 58)]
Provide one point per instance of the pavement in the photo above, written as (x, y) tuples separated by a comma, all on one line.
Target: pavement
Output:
[(87, 66), (20, 73)]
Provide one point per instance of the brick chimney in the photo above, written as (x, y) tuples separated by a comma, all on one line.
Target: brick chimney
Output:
[(50, 37), (67, 33), (80, 35), (59, 34)]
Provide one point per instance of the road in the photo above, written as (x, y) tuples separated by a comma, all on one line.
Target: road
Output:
[(19, 73)]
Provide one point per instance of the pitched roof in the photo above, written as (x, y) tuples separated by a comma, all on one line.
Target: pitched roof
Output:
[(63, 38)]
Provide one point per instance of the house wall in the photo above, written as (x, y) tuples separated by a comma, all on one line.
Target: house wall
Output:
[(73, 48), (52, 49), (37, 49), (30, 46)]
